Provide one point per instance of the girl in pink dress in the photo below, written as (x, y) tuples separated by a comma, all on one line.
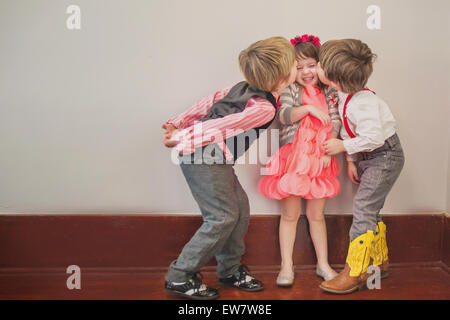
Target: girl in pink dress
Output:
[(301, 168)]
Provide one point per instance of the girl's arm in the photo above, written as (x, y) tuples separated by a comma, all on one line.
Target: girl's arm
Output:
[(332, 99), (289, 114), (300, 112), (287, 106)]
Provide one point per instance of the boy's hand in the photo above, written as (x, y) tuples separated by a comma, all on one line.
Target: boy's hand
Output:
[(352, 172), (168, 142), (170, 132), (333, 146), (326, 160), (168, 127)]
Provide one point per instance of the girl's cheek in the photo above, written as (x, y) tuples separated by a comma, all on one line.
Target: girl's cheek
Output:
[(316, 81)]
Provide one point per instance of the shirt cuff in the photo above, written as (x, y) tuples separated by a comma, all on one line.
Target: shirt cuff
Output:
[(351, 157), (184, 145), (174, 123)]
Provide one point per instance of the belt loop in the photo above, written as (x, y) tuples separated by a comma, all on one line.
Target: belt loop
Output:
[(390, 141)]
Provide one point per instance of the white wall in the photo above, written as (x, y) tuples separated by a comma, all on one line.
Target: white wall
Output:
[(81, 110)]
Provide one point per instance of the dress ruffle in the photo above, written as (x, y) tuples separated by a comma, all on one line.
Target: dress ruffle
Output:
[(297, 168)]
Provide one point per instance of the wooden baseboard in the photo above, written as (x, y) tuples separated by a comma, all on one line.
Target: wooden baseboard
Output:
[(33, 242), (446, 240)]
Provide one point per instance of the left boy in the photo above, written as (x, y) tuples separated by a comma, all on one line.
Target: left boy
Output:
[(227, 117)]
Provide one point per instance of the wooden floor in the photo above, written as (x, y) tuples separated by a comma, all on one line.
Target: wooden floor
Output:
[(406, 281)]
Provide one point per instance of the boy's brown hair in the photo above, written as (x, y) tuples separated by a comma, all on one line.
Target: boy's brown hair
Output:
[(347, 62), (267, 62)]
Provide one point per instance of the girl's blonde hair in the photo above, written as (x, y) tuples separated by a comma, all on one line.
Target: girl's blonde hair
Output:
[(268, 62)]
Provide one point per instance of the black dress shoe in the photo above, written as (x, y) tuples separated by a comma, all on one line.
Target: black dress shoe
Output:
[(243, 281), (194, 288)]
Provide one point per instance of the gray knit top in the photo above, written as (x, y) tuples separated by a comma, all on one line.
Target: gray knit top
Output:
[(292, 97)]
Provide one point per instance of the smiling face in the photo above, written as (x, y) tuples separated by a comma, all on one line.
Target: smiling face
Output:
[(307, 72)]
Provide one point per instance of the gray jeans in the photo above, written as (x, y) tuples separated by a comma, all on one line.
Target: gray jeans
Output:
[(378, 170), (225, 211)]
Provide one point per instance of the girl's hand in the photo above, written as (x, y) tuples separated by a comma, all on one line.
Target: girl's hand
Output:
[(319, 114), (326, 160), (352, 172), (333, 146)]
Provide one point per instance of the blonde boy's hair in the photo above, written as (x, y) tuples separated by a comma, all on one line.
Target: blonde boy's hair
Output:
[(267, 62), (347, 62)]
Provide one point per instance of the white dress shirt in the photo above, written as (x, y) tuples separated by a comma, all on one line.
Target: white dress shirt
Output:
[(370, 120)]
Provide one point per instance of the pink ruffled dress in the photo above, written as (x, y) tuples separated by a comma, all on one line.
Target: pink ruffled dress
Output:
[(297, 168)]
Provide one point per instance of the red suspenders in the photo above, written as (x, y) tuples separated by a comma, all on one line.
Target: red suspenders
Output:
[(344, 114)]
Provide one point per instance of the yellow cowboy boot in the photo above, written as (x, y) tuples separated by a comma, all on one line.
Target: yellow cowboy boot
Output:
[(354, 275), (380, 250)]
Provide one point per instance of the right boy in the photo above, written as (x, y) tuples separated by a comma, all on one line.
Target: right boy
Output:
[(369, 135)]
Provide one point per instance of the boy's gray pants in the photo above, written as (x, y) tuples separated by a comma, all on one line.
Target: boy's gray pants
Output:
[(225, 211), (378, 170)]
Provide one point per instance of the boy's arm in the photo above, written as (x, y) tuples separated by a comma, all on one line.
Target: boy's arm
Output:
[(369, 130), (257, 112), (369, 134), (352, 172), (198, 111)]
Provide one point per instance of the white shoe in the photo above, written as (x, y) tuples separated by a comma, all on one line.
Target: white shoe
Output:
[(286, 281), (323, 275)]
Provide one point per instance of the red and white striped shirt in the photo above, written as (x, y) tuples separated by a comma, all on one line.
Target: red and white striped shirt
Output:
[(257, 112)]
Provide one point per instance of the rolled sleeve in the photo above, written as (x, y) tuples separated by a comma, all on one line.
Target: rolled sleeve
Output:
[(351, 157)]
